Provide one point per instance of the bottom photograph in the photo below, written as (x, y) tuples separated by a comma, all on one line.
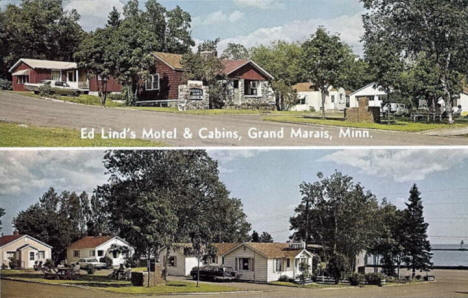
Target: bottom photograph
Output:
[(237, 223)]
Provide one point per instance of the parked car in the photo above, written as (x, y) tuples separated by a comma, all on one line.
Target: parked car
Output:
[(57, 87), (88, 262), (215, 273)]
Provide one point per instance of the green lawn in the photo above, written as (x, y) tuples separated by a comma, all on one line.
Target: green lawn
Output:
[(407, 126), (103, 283), (20, 135)]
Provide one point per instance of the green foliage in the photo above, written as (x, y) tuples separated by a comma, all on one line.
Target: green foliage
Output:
[(356, 279), (2, 213), (49, 263), (14, 263), (38, 29), (324, 60), (107, 260), (5, 84), (337, 266), (375, 279), (405, 30), (45, 90), (283, 278), (235, 51), (416, 246), (336, 213), (57, 220), (255, 237), (265, 238)]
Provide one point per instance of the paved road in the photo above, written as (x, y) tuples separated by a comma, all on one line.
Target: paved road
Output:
[(22, 109), (450, 283)]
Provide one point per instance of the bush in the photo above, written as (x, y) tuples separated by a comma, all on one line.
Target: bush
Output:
[(375, 279), (283, 278), (45, 90), (312, 109), (90, 269), (418, 277), (356, 279), (14, 263), (5, 84), (4, 266), (337, 267), (49, 264), (116, 96), (106, 260)]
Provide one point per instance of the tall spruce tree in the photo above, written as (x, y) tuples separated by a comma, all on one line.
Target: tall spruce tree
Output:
[(417, 249)]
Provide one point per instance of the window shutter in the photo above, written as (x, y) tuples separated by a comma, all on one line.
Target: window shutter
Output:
[(252, 268), (237, 264)]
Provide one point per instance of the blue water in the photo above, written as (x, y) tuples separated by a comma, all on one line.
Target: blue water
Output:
[(449, 258)]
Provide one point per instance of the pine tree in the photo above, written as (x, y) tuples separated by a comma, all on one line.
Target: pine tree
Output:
[(114, 18), (417, 249), (255, 237)]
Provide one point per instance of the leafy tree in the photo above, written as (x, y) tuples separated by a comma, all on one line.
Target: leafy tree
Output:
[(178, 38), (255, 237), (57, 220), (39, 29), (2, 213), (388, 242), (357, 73), (336, 213), (266, 238), (324, 59), (283, 61), (235, 51), (337, 266), (416, 246), (207, 67), (439, 29), (95, 55), (183, 191)]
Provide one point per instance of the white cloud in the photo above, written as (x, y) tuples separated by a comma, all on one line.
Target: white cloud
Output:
[(23, 172), (217, 17), (224, 156), (401, 165), (93, 13), (349, 28), (262, 4)]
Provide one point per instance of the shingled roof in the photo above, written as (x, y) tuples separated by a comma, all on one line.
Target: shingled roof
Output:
[(90, 242), (8, 238), (171, 60), (270, 250), (45, 64)]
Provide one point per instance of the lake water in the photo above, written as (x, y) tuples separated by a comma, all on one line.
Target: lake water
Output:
[(449, 258)]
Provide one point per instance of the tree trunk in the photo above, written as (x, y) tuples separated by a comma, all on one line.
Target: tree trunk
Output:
[(104, 92), (166, 260), (198, 269), (148, 264), (324, 98)]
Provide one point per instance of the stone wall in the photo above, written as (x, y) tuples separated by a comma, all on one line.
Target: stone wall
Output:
[(184, 92), (363, 113), (140, 279)]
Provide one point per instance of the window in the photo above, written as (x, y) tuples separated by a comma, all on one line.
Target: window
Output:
[(251, 87), (236, 84), (100, 253), (22, 79), (302, 100), (222, 260), (333, 98), (56, 76), (245, 264), (152, 83), (41, 255), (92, 253), (288, 263), (172, 261), (115, 254), (71, 76), (76, 253), (277, 265), (31, 256)]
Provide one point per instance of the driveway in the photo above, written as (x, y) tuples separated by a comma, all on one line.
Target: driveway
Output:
[(212, 130)]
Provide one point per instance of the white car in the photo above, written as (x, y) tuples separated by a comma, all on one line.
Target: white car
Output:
[(87, 262)]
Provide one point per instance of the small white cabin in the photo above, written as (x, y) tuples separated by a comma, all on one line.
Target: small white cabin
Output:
[(311, 99), (374, 93)]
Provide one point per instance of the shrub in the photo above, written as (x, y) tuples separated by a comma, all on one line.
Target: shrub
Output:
[(116, 96), (4, 266), (418, 277), (337, 266), (283, 278), (356, 279), (45, 90), (5, 84), (312, 109), (106, 260), (375, 279), (48, 263), (90, 269), (14, 263)]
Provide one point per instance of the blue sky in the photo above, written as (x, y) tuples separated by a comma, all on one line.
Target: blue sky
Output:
[(267, 181), (250, 22)]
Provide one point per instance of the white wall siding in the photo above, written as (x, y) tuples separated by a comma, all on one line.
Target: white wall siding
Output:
[(260, 266)]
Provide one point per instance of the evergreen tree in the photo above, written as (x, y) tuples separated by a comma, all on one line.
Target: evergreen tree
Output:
[(255, 237), (114, 18), (2, 212), (417, 249), (266, 238)]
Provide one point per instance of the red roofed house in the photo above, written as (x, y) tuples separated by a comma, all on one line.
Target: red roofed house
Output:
[(25, 249), (98, 247)]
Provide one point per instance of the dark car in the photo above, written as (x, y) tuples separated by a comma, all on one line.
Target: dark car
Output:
[(214, 273)]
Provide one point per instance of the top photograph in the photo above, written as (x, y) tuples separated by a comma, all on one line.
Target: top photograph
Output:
[(249, 73)]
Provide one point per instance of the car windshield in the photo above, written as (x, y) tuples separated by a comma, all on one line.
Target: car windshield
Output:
[(92, 260)]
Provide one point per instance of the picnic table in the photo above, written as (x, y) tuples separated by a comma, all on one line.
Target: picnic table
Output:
[(65, 273), (426, 115)]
